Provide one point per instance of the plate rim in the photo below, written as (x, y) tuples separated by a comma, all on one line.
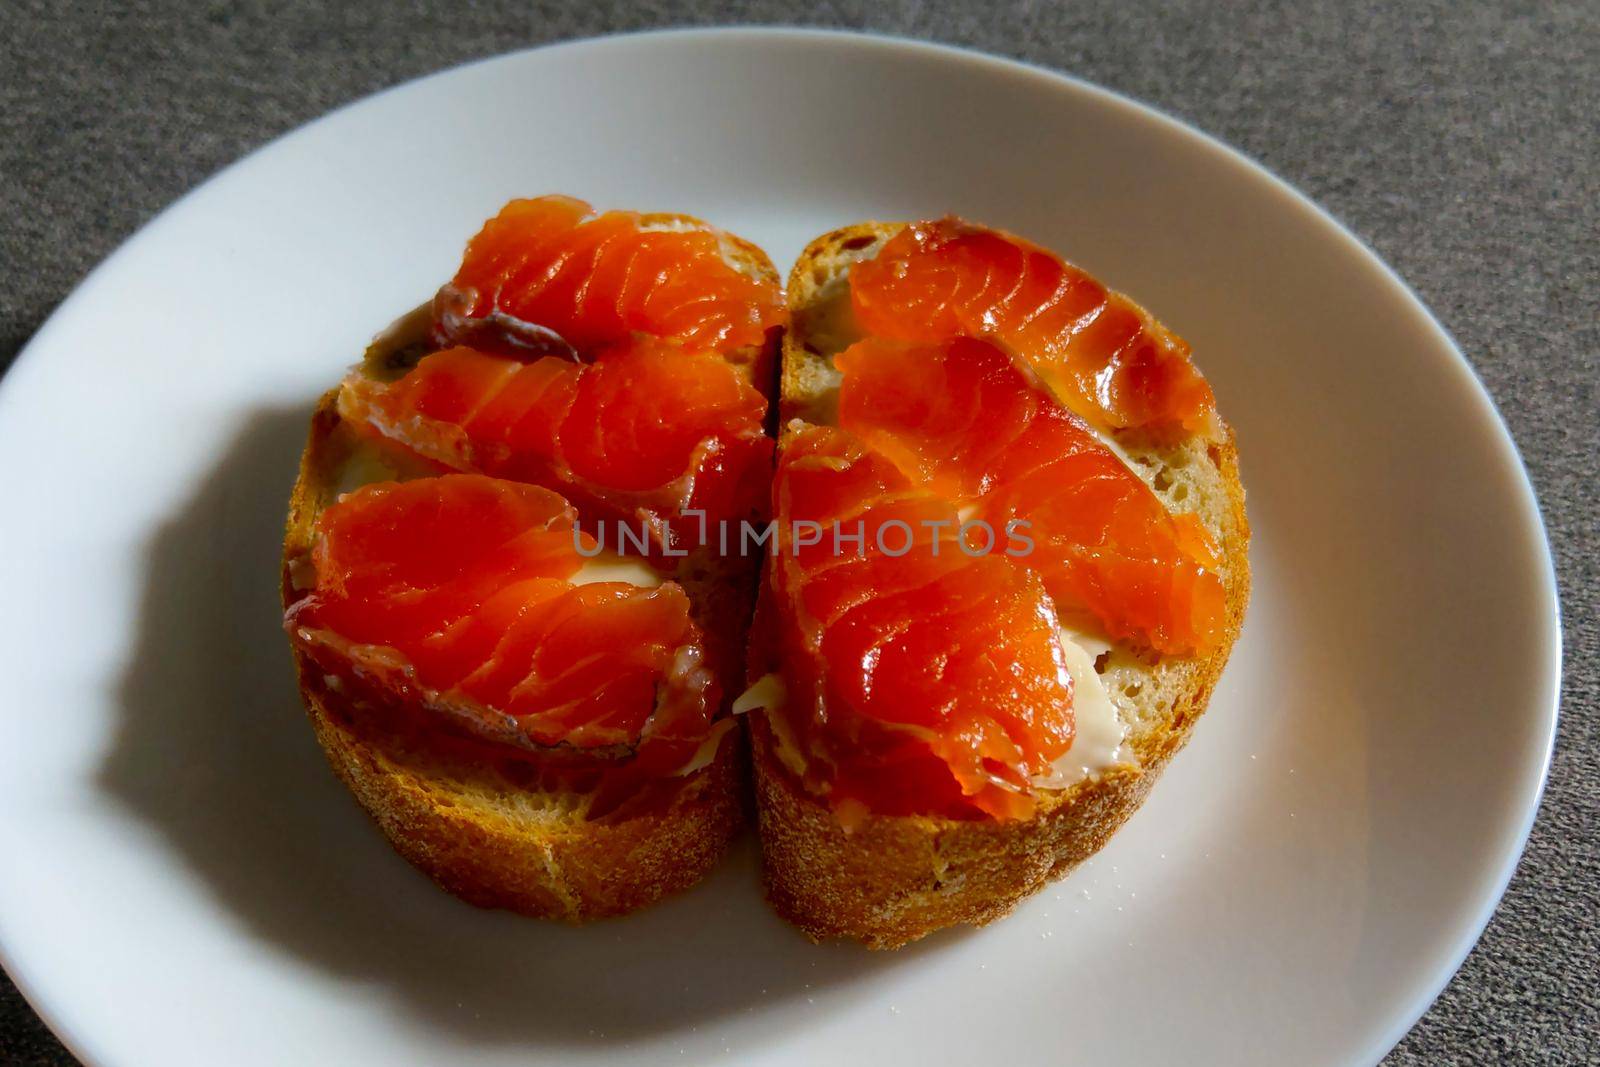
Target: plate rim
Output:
[(1489, 891)]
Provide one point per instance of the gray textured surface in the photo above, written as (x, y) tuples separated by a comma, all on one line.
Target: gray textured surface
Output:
[(1460, 141)]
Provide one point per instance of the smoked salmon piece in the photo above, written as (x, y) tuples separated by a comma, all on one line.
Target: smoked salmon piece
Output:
[(550, 276), (458, 595), (921, 679), (1104, 356), (966, 422), (647, 431)]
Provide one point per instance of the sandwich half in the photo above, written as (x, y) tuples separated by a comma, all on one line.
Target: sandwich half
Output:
[(1040, 569), (512, 647)]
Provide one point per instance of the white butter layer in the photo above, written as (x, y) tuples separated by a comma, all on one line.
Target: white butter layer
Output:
[(1098, 736), (363, 467), (610, 567), (766, 692)]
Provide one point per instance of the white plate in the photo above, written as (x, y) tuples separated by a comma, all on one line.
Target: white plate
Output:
[(184, 882)]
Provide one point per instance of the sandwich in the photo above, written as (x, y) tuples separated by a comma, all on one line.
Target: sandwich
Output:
[(1010, 564), (512, 646)]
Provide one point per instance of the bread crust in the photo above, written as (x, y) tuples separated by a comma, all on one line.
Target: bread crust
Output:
[(894, 879), (545, 860), (573, 870)]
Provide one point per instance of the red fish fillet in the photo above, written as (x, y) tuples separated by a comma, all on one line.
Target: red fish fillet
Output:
[(548, 275), (648, 431), (1103, 355), (964, 420), (921, 679), (456, 594)]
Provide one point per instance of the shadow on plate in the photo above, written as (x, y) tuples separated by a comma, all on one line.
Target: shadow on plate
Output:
[(213, 750)]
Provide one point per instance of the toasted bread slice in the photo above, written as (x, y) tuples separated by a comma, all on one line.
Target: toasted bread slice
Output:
[(492, 832), (894, 879)]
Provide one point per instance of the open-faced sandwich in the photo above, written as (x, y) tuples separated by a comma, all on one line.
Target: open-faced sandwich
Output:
[(536, 720), (1011, 565), (1006, 562)]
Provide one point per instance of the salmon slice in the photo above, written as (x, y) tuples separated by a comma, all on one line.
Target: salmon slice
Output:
[(549, 276), (968, 423), (921, 679), (456, 595), (1103, 355), (647, 432)]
